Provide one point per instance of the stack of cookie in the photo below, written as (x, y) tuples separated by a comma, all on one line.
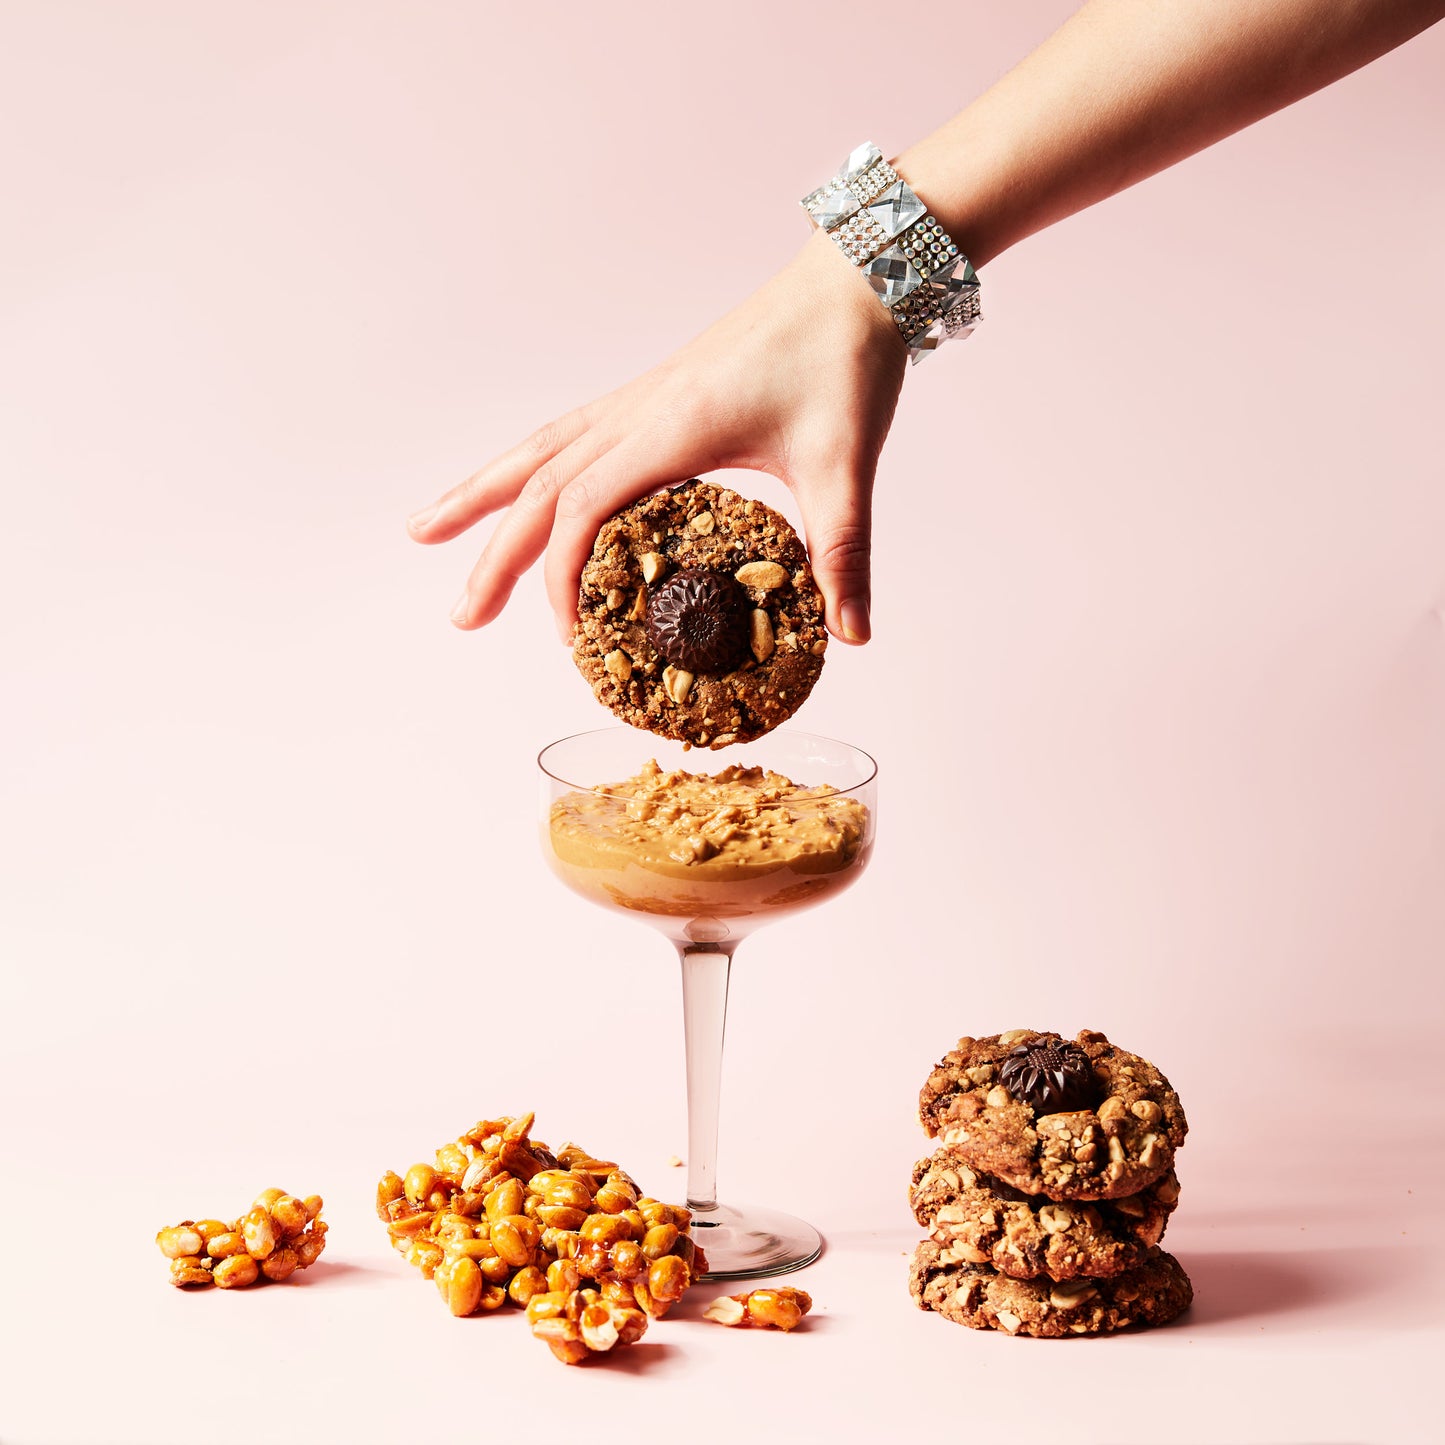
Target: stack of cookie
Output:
[(1051, 1188)]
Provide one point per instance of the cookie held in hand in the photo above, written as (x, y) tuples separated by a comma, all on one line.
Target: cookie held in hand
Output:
[(698, 617)]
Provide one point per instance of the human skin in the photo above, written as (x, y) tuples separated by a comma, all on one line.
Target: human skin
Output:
[(801, 381)]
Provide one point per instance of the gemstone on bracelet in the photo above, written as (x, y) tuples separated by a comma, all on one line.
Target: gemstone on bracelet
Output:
[(830, 204), (897, 209), (860, 238), (860, 159), (873, 182), (892, 275)]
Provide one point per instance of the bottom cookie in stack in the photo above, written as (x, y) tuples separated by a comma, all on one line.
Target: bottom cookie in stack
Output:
[(1152, 1293)]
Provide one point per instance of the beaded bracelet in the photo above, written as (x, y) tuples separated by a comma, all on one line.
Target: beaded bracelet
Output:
[(910, 261)]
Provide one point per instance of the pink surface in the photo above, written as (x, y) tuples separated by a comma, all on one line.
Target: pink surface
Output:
[(1158, 693)]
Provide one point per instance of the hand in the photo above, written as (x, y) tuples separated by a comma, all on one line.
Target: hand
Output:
[(800, 381)]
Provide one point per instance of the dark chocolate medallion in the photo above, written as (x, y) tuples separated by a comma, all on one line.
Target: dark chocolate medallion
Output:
[(1050, 1078), (698, 619)]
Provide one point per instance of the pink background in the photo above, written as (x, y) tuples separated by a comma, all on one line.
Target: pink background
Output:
[(1158, 693)]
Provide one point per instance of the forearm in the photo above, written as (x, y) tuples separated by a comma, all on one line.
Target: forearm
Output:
[(1128, 87)]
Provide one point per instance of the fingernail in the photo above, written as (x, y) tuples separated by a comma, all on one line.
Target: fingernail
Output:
[(853, 618), (418, 520), (564, 633), (463, 607)]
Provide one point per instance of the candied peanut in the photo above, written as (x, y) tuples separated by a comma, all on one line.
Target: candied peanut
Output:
[(189, 1270), (509, 1244), (425, 1255), (563, 1339), (506, 1199), (605, 1228), (281, 1263), (562, 1276), (778, 1309), (463, 1290), (560, 1216), (495, 1270), (420, 1181), (389, 1189), (614, 1197), (451, 1161), (570, 1192), (266, 1198), (208, 1229), (237, 1272), (180, 1241), (659, 1240), (290, 1216), (595, 1326), (668, 1279), (259, 1232), (439, 1198), (223, 1246), (477, 1249), (312, 1205), (629, 1259), (526, 1283), (310, 1245)]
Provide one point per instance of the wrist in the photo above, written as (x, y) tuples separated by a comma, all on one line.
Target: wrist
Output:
[(843, 298)]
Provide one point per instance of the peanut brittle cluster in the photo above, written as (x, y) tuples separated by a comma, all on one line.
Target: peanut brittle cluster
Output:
[(499, 1217), (773, 1309), (277, 1236)]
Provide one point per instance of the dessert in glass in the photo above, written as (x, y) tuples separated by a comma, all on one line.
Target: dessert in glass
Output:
[(632, 822)]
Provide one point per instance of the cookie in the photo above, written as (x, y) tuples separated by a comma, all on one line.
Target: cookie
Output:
[(979, 1220), (1081, 1120), (698, 617), (972, 1294)]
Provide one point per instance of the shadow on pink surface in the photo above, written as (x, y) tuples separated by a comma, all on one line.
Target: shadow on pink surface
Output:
[(1339, 1287)]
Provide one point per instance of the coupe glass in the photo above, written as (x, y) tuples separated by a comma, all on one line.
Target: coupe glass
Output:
[(706, 914)]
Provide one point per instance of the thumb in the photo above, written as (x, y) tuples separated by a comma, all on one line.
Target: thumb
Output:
[(838, 519)]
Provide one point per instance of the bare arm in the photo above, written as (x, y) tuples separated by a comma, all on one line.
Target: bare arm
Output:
[(801, 380), (1126, 88)]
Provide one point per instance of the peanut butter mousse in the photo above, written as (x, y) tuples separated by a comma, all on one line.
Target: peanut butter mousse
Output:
[(727, 844)]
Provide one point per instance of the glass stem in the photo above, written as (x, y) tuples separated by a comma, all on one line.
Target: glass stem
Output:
[(705, 969)]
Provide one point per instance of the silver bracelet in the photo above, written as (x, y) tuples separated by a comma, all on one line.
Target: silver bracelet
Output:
[(915, 267)]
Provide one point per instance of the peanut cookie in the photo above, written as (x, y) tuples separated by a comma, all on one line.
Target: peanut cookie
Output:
[(698, 618), (979, 1220), (1081, 1120), (974, 1295)]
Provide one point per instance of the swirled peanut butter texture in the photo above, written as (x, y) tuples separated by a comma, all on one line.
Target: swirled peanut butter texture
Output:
[(739, 841)]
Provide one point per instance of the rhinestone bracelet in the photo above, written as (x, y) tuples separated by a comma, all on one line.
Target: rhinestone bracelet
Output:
[(919, 273)]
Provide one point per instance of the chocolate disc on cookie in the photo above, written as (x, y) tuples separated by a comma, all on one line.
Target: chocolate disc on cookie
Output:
[(1077, 1119), (698, 617), (979, 1220), (1152, 1293)]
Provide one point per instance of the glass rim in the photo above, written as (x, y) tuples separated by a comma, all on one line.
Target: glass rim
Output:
[(601, 789)]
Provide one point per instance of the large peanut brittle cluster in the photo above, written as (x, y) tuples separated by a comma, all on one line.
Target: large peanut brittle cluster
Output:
[(277, 1236), (569, 1237)]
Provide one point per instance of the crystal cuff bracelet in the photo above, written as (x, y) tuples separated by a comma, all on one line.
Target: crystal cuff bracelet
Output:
[(917, 270)]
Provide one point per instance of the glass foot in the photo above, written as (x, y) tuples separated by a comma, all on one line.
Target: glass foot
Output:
[(747, 1243)]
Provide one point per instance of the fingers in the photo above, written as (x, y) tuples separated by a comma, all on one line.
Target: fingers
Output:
[(522, 533), (640, 464), (837, 503), (500, 480)]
